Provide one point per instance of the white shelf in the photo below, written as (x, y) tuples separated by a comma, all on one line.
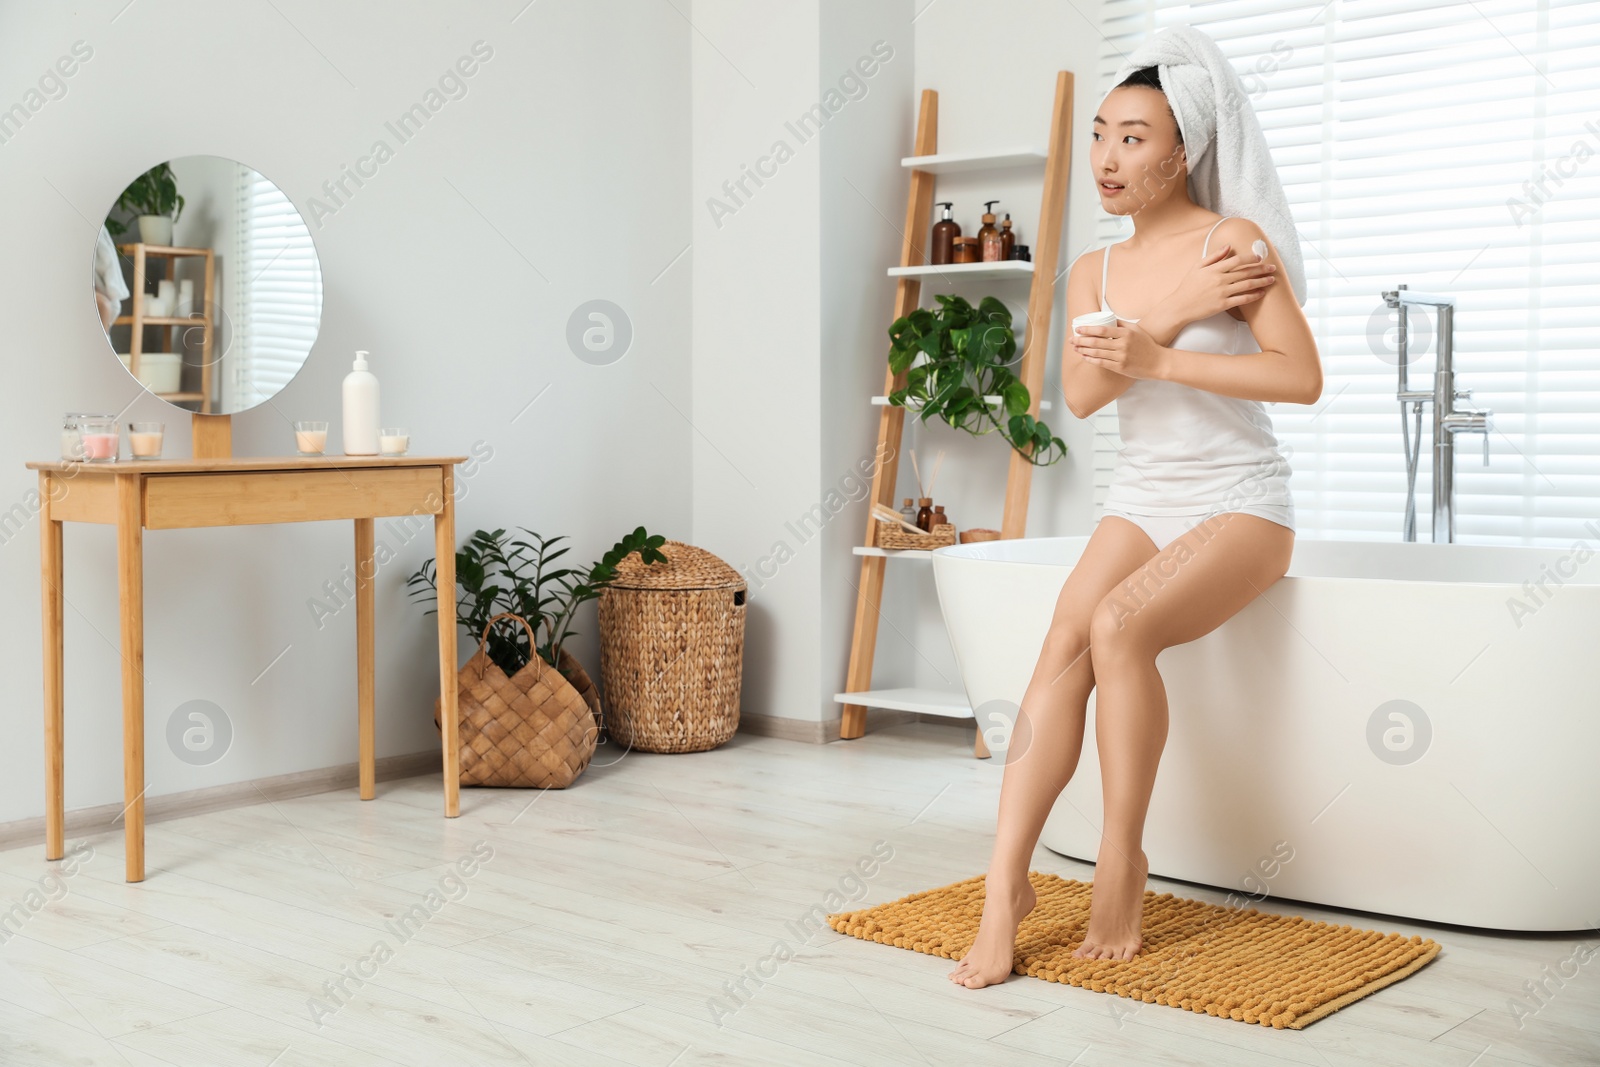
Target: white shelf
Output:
[(994, 401), (954, 163), (1005, 268), (952, 705), (914, 553)]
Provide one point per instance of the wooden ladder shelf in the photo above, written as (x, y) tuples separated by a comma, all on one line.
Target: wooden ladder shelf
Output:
[(908, 295)]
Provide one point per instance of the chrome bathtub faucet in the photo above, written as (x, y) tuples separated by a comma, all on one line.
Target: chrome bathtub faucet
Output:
[(1447, 421)]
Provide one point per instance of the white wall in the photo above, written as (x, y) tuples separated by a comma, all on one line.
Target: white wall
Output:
[(561, 176), (984, 106), (756, 297), (993, 64), (863, 209), (790, 308)]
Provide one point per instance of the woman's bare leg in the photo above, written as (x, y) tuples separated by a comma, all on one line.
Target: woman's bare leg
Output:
[(1185, 592), (1045, 744)]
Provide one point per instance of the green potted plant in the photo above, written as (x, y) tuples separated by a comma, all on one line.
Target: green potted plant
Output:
[(499, 574), (520, 723), (153, 196), (954, 359)]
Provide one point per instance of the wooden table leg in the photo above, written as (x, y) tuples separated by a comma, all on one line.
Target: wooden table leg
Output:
[(444, 545), (50, 576), (130, 592), (365, 657)]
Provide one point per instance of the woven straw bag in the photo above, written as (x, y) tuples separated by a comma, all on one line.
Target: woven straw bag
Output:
[(534, 729)]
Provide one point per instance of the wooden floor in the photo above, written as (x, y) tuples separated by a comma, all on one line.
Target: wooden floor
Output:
[(612, 921)]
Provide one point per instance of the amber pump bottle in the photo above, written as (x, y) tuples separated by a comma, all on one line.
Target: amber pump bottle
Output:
[(945, 231), (989, 235), (1008, 240)]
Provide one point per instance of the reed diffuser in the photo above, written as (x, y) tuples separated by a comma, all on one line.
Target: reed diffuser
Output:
[(893, 530), (925, 493)]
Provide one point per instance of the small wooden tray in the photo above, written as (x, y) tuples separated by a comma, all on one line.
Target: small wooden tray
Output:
[(891, 536)]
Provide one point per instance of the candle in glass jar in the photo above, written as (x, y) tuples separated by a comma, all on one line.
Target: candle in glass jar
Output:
[(74, 425), (144, 439), (393, 441), (310, 436), (100, 446)]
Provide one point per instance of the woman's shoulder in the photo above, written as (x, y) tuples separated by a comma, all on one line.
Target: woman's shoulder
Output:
[(1085, 268), (1092, 257), (1234, 229)]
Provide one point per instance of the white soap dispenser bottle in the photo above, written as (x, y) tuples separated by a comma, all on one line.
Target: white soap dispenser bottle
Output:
[(360, 410)]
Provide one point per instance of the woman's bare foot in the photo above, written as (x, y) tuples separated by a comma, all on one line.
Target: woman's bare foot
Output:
[(1117, 907), (993, 954)]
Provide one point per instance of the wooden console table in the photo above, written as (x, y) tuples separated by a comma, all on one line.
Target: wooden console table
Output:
[(180, 494)]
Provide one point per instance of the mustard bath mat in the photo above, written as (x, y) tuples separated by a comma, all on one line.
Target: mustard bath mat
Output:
[(1237, 963)]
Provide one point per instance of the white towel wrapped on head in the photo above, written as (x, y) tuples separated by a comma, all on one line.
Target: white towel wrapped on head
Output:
[(1230, 167), (108, 269)]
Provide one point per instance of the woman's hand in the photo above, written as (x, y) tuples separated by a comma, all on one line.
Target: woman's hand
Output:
[(108, 308), (1123, 348), (1222, 280)]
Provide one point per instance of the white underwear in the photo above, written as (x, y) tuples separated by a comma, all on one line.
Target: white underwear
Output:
[(1165, 529)]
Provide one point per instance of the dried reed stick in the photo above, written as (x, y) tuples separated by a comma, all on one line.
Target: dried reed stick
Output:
[(935, 476), (887, 514)]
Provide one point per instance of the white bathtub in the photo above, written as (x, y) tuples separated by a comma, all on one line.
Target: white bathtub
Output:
[(1492, 821)]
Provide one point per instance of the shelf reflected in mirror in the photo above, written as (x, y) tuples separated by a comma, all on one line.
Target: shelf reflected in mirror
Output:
[(207, 284)]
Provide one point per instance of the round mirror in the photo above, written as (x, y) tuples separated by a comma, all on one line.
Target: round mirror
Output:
[(207, 283)]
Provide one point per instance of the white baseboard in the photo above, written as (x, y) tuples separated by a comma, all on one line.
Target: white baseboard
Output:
[(218, 797), (826, 730)]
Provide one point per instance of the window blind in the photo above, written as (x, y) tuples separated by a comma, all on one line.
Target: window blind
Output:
[(1455, 148), (279, 291)]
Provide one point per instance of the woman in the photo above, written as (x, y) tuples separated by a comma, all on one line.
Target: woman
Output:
[(109, 288), (1198, 520)]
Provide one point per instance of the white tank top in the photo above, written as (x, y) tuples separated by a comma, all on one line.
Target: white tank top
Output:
[(1186, 449)]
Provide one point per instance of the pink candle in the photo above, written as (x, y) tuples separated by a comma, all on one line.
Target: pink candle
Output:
[(100, 445)]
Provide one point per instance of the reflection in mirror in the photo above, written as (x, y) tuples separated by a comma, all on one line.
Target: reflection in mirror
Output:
[(207, 284)]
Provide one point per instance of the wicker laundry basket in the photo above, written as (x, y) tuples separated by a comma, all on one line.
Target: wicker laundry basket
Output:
[(671, 651)]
